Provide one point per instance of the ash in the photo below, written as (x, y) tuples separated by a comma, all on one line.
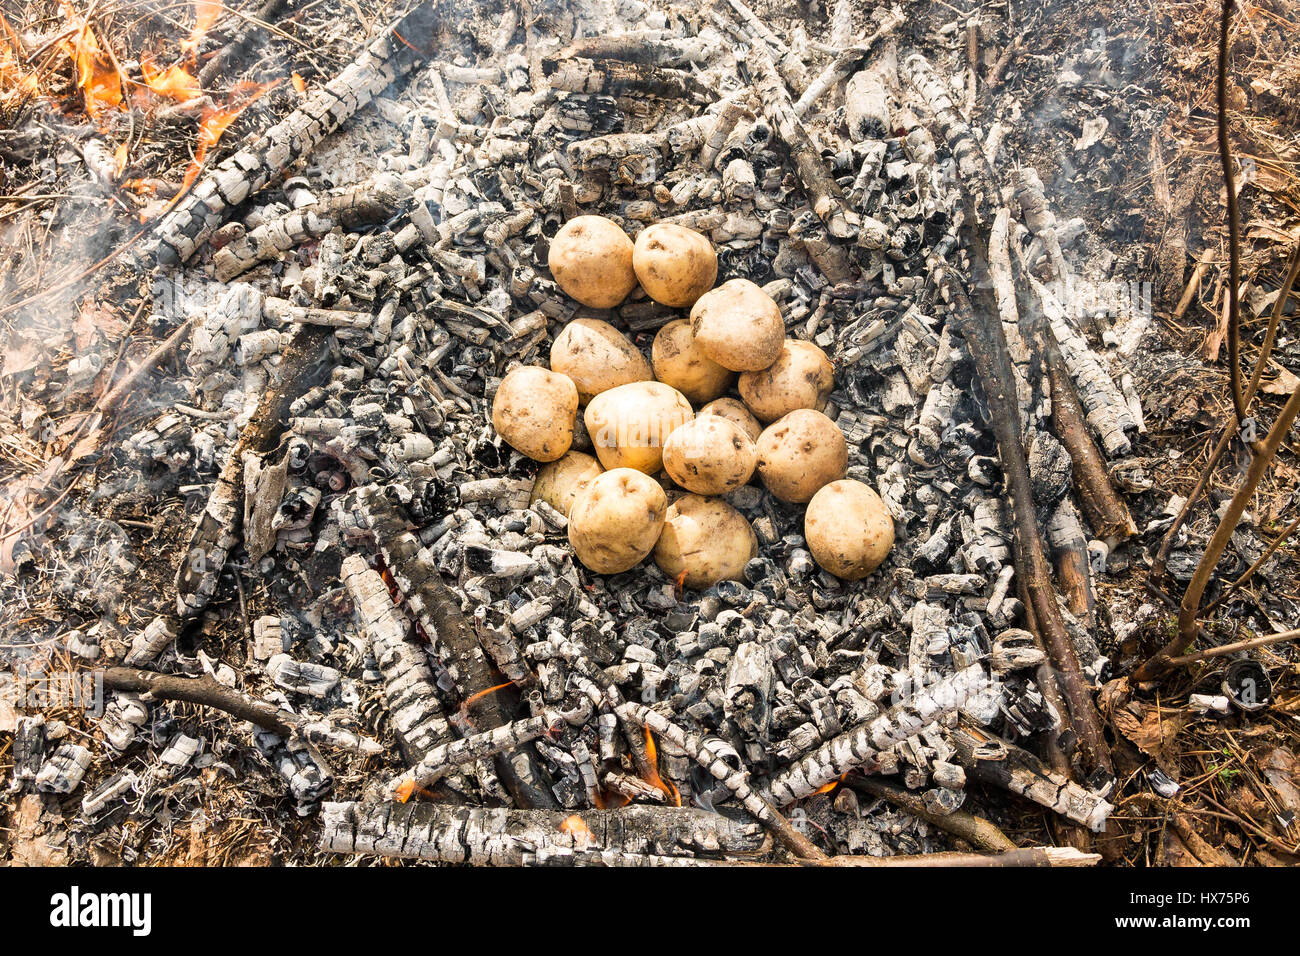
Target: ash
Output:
[(368, 563)]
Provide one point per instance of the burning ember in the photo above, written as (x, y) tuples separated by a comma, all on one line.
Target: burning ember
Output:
[(577, 828), (652, 777)]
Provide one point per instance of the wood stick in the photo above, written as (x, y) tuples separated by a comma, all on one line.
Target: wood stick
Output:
[(503, 837), (987, 344), (244, 36), (977, 831), (1226, 649), (438, 611), (1194, 282), (191, 222), (208, 692), (1104, 509)]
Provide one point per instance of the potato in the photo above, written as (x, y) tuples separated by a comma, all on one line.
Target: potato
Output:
[(558, 482), (710, 456), (707, 539), (799, 453), (597, 357), (679, 363), (616, 519), (533, 410), (737, 412), (848, 529), (675, 265), (591, 260), (801, 377), (738, 326), (629, 424)]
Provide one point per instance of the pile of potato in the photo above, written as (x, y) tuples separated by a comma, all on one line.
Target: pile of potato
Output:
[(642, 420)]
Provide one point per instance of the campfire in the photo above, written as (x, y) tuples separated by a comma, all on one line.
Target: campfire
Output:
[(634, 436)]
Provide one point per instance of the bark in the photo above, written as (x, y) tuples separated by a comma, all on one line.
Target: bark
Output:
[(999, 762), (1102, 506), (437, 608), (499, 837), (860, 746)]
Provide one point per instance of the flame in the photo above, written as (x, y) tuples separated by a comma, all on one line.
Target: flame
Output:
[(404, 790), (217, 120), (483, 693), (175, 82), (299, 84), (15, 81), (119, 159), (98, 75), (577, 828), (206, 13), (827, 788), (679, 584), (653, 778)]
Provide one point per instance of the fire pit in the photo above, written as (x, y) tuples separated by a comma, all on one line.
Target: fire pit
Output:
[(316, 586)]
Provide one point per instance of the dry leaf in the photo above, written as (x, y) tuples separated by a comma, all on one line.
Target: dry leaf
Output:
[(1284, 384), (1151, 731), (21, 355)]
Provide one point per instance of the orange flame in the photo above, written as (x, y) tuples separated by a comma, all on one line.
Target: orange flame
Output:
[(206, 13), (217, 121), (299, 84), (98, 75), (15, 81), (119, 159), (404, 790), (653, 778), (577, 828), (483, 693), (175, 82)]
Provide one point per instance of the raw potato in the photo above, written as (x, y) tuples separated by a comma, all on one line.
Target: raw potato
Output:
[(597, 357), (533, 410), (799, 453), (707, 539), (675, 265), (679, 363), (737, 412), (616, 520), (848, 529), (801, 377), (591, 260), (710, 456), (738, 326), (629, 424), (558, 482)]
